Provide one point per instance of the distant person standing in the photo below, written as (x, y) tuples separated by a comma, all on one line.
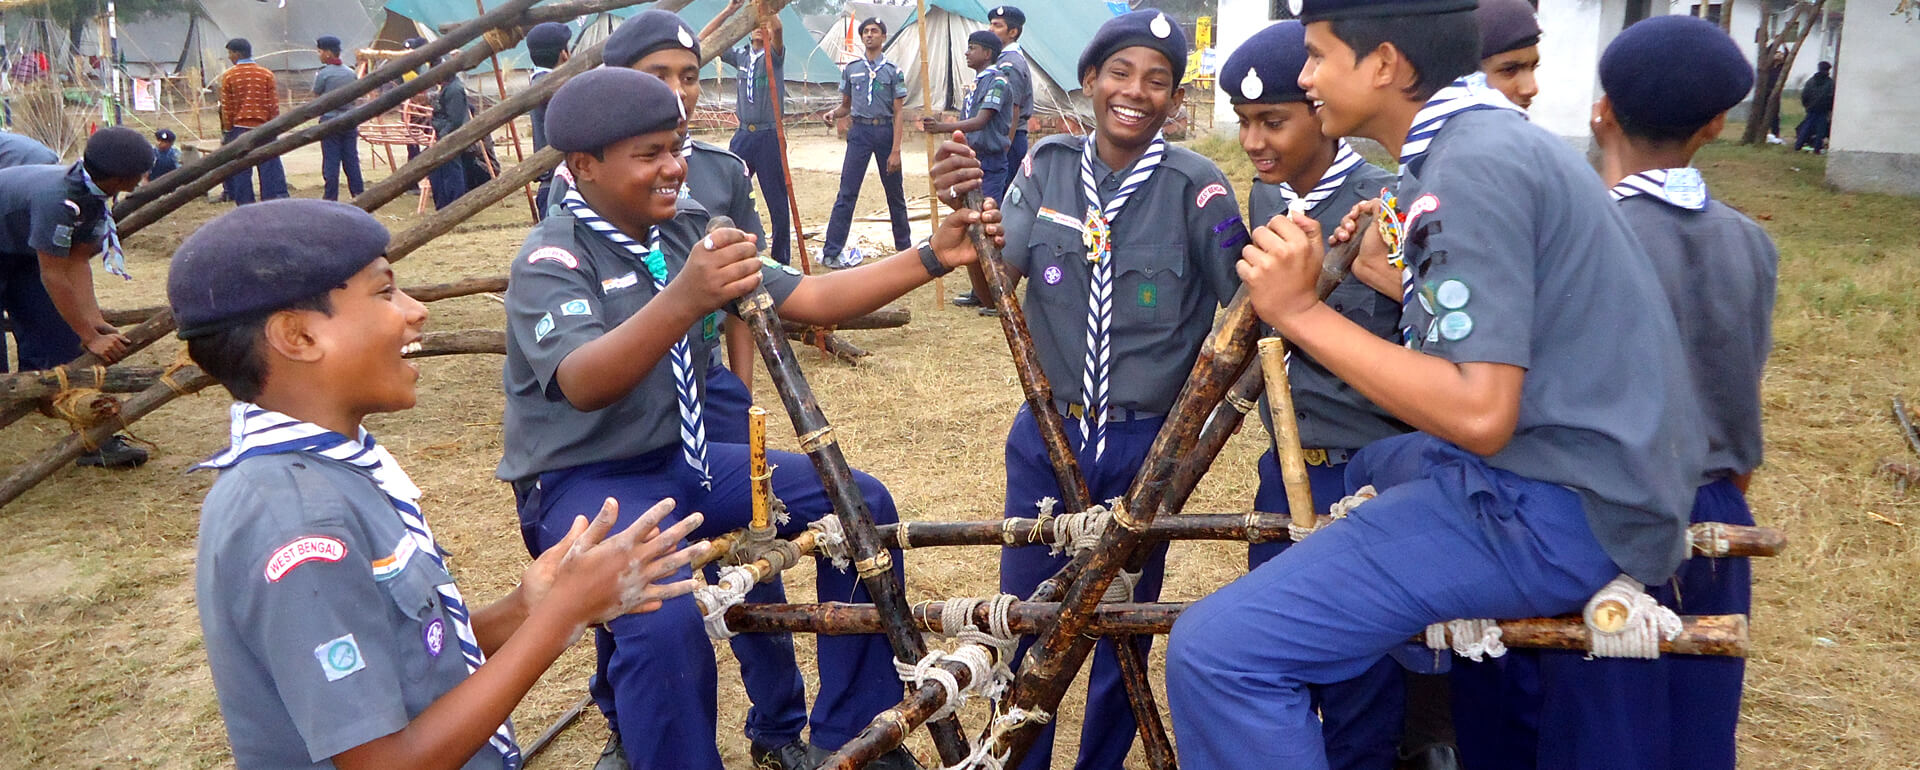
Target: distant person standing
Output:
[(340, 149), (547, 47), (762, 67), (166, 157), (986, 120), (248, 98), (1009, 23), (872, 92), (1817, 96), (450, 111)]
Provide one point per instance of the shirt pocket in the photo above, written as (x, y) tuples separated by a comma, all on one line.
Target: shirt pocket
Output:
[(1057, 255), (423, 634), (1151, 286), (1373, 311)]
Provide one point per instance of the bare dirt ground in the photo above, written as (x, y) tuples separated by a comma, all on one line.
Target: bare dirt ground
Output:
[(100, 655)]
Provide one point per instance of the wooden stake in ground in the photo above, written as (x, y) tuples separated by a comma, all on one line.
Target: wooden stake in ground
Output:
[(933, 143)]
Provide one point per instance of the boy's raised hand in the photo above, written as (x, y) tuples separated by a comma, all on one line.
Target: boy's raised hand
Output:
[(956, 171), (602, 578), (723, 266), (1280, 266), (950, 242)]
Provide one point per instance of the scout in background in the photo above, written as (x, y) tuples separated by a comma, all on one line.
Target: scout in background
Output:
[(762, 65), (873, 92), (1527, 488), (988, 115), (546, 48), (1509, 48), (334, 629), (340, 150), (623, 273), (249, 96), (53, 220), (1720, 272), (166, 157), (1007, 24), (1116, 324)]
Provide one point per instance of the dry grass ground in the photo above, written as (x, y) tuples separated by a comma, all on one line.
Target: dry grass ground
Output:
[(100, 656)]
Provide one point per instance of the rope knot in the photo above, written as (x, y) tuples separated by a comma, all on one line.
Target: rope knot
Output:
[(1623, 621)]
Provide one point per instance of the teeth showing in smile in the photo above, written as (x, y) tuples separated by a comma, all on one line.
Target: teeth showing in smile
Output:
[(410, 348), (666, 191), (1318, 103), (1129, 113)]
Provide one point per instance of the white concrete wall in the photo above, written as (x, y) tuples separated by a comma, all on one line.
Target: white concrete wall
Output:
[(1234, 21), (1573, 33), (1875, 145)]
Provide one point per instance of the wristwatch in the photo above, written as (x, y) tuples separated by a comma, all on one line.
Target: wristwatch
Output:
[(931, 262)]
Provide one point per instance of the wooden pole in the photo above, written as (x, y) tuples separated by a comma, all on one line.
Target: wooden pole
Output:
[(776, 89), (513, 128), (1286, 434), (933, 143), (757, 472)]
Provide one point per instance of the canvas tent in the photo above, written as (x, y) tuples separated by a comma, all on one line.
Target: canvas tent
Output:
[(1056, 33), (840, 39), (174, 43)]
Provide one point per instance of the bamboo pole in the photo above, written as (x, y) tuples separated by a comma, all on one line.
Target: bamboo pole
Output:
[(1286, 434), (757, 471), (776, 89), (478, 199), (933, 143), (873, 564)]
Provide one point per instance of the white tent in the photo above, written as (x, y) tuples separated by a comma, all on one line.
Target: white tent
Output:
[(1054, 35), (282, 35)]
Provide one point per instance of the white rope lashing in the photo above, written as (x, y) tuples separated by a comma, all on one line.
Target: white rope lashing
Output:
[(830, 540), (1475, 639), (721, 596), (1623, 621), (982, 757), (1336, 512)]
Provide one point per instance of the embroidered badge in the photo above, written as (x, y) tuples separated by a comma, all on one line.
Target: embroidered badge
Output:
[(1685, 188), (628, 281), (434, 637), (1059, 219), (543, 328), (1052, 275), (576, 307), (769, 261), (1231, 231), (339, 657), (1013, 195), (1208, 193), (386, 567), (1149, 294), (1456, 325), (1250, 86), (1425, 204), (62, 236), (301, 551), (1096, 236), (1453, 294), (710, 326), (554, 254), (1026, 166)]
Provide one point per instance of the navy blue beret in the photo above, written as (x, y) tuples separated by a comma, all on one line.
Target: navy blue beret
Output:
[(1506, 25), (549, 36), (607, 104), (1332, 10), (1266, 68), (164, 135), (1148, 28), (415, 42), (328, 43), (874, 21), (260, 258), (646, 32), (986, 39), (1013, 17), (1674, 72), (118, 152), (240, 46)]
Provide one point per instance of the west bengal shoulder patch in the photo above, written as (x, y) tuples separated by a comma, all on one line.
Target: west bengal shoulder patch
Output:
[(301, 551), (1208, 193), (554, 254), (1425, 204)]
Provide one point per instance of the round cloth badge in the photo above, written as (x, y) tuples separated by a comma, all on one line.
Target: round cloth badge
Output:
[(1160, 27), (1456, 325), (1453, 294), (434, 636), (1052, 275)]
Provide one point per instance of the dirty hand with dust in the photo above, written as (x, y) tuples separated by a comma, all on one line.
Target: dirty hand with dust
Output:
[(594, 578)]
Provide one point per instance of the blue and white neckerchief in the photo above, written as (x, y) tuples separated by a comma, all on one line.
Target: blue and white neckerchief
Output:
[(112, 256), (693, 426), (537, 72), (257, 432), (1465, 94), (1095, 376), (980, 86), (1345, 160), (753, 63), (1678, 187), (873, 75)]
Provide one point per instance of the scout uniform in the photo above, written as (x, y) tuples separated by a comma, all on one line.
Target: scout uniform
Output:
[(871, 87), (1171, 234), (1363, 715), (23, 150), (756, 141), (329, 614), (991, 91), (165, 160), (1594, 481), (1679, 712), (339, 150), (575, 278), (450, 112), (1019, 89)]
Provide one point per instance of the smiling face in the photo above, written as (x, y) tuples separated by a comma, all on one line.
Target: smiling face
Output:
[(1344, 88), (1134, 92), (361, 342), (679, 69), (635, 183), (1511, 73), (1283, 140), (873, 37)]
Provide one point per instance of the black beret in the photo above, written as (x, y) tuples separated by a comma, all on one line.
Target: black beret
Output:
[(1149, 28), (873, 20), (240, 46), (264, 257), (414, 42), (549, 36), (1505, 25), (1014, 17), (1331, 10), (646, 32), (607, 104), (986, 39), (1266, 68), (328, 43), (118, 152), (164, 135), (1674, 72)]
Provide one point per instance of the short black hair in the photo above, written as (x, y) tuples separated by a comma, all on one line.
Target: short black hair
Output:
[(235, 356), (545, 57), (1654, 133), (872, 21), (1442, 47)]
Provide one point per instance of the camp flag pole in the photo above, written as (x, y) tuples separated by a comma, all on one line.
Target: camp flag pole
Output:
[(933, 143), (774, 86), (513, 128), (113, 61)]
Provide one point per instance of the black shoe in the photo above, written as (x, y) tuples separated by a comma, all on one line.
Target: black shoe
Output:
[(967, 300), (613, 756), (1435, 757), (897, 759), (990, 312), (796, 754), (115, 452)]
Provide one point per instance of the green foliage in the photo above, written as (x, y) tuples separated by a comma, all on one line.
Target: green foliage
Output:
[(73, 13)]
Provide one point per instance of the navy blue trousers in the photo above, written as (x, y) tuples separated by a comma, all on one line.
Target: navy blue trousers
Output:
[(1016, 155), (449, 182), (660, 667), (1107, 730), (761, 150), (1448, 537), (44, 338), (1678, 712), (273, 177), (994, 174), (866, 142), (1360, 718), (340, 151)]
